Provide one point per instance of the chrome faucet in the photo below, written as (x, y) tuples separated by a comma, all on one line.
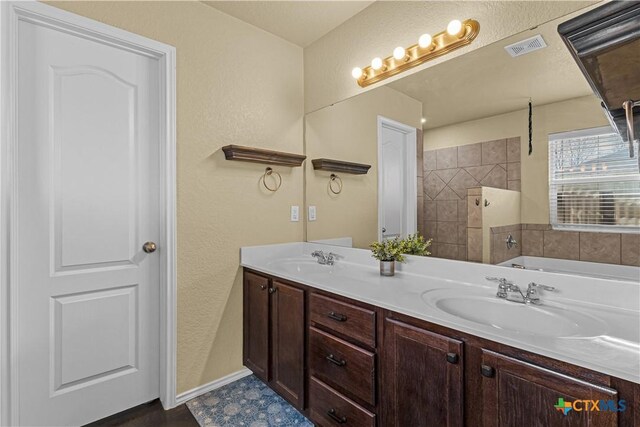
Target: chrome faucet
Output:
[(533, 292), (511, 242), (325, 258), (531, 296), (504, 286)]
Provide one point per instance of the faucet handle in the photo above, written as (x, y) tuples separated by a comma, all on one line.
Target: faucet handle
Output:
[(500, 280), (534, 285), (317, 253), (336, 256)]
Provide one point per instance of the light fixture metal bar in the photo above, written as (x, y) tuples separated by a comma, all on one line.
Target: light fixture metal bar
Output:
[(442, 44)]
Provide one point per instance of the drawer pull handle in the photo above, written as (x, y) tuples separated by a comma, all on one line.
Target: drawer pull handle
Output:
[(332, 414), (337, 317), (487, 371), (338, 362), (452, 358), (263, 287)]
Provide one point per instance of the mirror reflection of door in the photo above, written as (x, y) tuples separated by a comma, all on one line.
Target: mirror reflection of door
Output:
[(397, 188)]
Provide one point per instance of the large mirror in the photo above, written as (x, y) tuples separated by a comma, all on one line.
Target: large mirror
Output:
[(451, 158)]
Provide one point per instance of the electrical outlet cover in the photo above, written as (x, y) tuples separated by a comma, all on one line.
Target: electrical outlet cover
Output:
[(295, 213)]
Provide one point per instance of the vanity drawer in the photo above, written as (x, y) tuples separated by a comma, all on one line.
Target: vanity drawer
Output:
[(347, 319), (342, 365), (328, 408)]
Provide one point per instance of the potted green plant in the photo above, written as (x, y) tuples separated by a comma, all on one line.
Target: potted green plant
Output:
[(388, 252), (415, 244)]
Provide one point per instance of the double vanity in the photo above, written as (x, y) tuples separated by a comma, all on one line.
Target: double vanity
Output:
[(435, 345), (529, 300)]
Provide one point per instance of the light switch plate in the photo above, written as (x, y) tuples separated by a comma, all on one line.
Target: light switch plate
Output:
[(295, 213), (312, 213)]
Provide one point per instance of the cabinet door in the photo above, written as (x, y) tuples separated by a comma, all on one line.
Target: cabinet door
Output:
[(422, 377), (256, 325), (288, 342), (518, 394)]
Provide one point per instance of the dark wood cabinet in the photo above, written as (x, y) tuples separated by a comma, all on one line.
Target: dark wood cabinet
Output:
[(329, 408), (343, 318), (256, 324), (422, 377), (343, 362), (517, 393), (274, 335), (287, 334), (404, 371), (344, 366)]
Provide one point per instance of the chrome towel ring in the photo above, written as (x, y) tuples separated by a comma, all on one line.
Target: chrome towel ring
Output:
[(335, 184), (274, 174)]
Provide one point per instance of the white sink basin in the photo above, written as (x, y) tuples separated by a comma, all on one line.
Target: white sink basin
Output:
[(546, 320), (303, 265)]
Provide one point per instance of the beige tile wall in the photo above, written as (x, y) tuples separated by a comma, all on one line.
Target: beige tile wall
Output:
[(499, 250), (611, 248), (448, 174), (540, 240)]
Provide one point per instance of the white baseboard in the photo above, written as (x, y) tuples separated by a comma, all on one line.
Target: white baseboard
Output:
[(205, 388)]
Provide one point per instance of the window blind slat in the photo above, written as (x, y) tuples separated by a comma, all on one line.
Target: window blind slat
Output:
[(593, 183)]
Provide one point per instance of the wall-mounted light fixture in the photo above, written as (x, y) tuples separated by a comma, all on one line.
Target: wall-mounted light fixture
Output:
[(456, 35)]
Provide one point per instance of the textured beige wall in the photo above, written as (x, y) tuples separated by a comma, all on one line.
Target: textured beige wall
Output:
[(349, 131), (228, 96), (378, 29), (504, 209), (236, 84), (578, 113)]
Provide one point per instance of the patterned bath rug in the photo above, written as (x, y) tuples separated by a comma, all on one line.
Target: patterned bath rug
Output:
[(245, 402)]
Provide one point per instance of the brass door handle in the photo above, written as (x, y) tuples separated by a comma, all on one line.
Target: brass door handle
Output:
[(149, 247)]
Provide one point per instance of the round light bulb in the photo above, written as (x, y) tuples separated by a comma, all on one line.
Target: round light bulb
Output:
[(425, 41), (356, 73), (454, 27), (399, 53), (376, 63), (423, 120)]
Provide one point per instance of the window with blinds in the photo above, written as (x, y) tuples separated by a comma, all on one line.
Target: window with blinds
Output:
[(593, 183)]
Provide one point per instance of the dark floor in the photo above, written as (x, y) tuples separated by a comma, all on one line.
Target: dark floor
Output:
[(150, 414)]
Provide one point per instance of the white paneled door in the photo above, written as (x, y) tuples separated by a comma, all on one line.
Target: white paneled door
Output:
[(397, 197), (88, 174)]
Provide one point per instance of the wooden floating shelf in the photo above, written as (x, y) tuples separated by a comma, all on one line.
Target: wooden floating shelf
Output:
[(340, 166), (259, 155)]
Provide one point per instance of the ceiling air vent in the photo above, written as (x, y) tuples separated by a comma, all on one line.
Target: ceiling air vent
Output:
[(526, 46)]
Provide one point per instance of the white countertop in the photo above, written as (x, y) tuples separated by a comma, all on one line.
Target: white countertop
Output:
[(614, 349)]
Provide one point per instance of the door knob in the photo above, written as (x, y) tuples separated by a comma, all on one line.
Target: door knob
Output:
[(149, 247)]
